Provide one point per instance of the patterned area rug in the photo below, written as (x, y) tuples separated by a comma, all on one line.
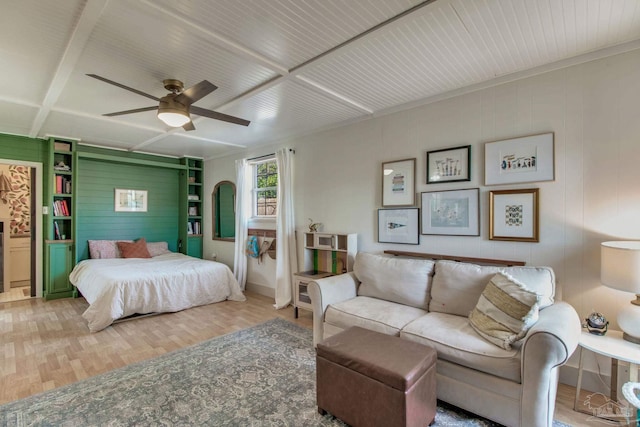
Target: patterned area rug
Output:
[(260, 376)]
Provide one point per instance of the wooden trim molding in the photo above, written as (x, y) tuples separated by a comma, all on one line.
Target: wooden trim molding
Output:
[(261, 232), (490, 261)]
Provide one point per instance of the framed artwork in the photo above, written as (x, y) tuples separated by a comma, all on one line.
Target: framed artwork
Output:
[(130, 200), (398, 226), (399, 183), (514, 215), (524, 159), (449, 165), (451, 213)]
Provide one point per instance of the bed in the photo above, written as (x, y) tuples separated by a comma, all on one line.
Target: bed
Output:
[(120, 287)]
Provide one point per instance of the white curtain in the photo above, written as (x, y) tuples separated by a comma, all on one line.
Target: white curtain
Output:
[(243, 213), (286, 256)]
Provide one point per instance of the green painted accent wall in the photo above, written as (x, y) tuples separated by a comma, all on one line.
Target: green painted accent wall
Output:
[(25, 149), (96, 218)]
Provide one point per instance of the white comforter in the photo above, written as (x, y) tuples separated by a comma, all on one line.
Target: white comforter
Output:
[(120, 287)]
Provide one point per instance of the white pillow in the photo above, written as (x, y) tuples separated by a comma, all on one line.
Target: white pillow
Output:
[(158, 248), (401, 280), (458, 285), (101, 249), (505, 311)]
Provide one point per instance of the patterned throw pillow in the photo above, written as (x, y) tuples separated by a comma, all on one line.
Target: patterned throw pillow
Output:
[(137, 249), (505, 311), (101, 249)]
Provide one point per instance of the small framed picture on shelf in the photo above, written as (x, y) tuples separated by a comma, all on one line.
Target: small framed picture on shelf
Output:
[(398, 226), (189, 228), (449, 165), (514, 215), (193, 211), (399, 183)]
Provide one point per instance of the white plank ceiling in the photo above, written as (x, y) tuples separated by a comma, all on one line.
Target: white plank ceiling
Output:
[(291, 67)]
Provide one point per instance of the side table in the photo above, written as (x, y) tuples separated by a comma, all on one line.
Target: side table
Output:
[(613, 346)]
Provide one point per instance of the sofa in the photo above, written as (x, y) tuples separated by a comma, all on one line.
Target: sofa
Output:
[(429, 302)]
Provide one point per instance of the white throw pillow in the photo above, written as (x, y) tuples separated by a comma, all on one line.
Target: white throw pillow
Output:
[(401, 280), (158, 248), (505, 311)]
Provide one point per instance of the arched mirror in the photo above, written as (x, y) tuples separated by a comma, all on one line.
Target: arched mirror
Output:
[(224, 211)]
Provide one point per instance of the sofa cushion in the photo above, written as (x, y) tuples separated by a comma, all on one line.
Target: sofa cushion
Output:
[(455, 341), (371, 313), (400, 280), (457, 286), (505, 311)]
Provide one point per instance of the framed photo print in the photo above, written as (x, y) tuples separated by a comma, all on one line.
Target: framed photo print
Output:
[(399, 183), (398, 226), (451, 213), (514, 215), (524, 159), (449, 165), (130, 200)]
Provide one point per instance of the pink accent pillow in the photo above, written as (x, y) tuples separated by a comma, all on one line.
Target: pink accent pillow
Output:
[(137, 249), (105, 249), (158, 248)]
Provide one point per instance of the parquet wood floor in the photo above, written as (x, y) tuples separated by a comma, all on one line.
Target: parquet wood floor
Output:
[(44, 345)]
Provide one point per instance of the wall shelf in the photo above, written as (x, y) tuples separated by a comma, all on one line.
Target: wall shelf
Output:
[(325, 254)]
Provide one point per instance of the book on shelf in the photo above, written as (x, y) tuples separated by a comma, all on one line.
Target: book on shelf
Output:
[(57, 230), (189, 228), (62, 185), (196, 227), (61, 208)]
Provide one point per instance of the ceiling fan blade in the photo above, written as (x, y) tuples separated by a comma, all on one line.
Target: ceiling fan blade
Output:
[(218, 116), (111, 82), (137, 110), (189, 126), (195, 92)]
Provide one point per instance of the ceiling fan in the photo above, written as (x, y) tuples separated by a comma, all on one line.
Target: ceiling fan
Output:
[(174, 108)]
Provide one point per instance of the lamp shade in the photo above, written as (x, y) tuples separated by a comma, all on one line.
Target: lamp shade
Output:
[(174, 119), (620, 265), (172, 112)]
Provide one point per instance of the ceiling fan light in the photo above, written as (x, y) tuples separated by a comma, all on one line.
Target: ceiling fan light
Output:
[(174, 119), (172, 112)]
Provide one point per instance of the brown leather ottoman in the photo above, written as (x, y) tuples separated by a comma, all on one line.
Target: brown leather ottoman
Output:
[(366, 378)]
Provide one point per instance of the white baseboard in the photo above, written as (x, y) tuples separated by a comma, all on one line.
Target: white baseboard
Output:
[(261, 289), (590, 380)]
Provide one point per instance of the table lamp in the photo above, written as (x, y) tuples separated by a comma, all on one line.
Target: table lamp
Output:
[(620, 269)]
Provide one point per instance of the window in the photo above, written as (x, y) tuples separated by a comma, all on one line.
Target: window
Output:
[(265, 188)]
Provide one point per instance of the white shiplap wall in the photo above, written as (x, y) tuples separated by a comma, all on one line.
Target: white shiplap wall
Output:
[(593, 109)]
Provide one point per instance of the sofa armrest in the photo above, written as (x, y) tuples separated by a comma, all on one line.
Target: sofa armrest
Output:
[(547, 346), (329, 290)]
